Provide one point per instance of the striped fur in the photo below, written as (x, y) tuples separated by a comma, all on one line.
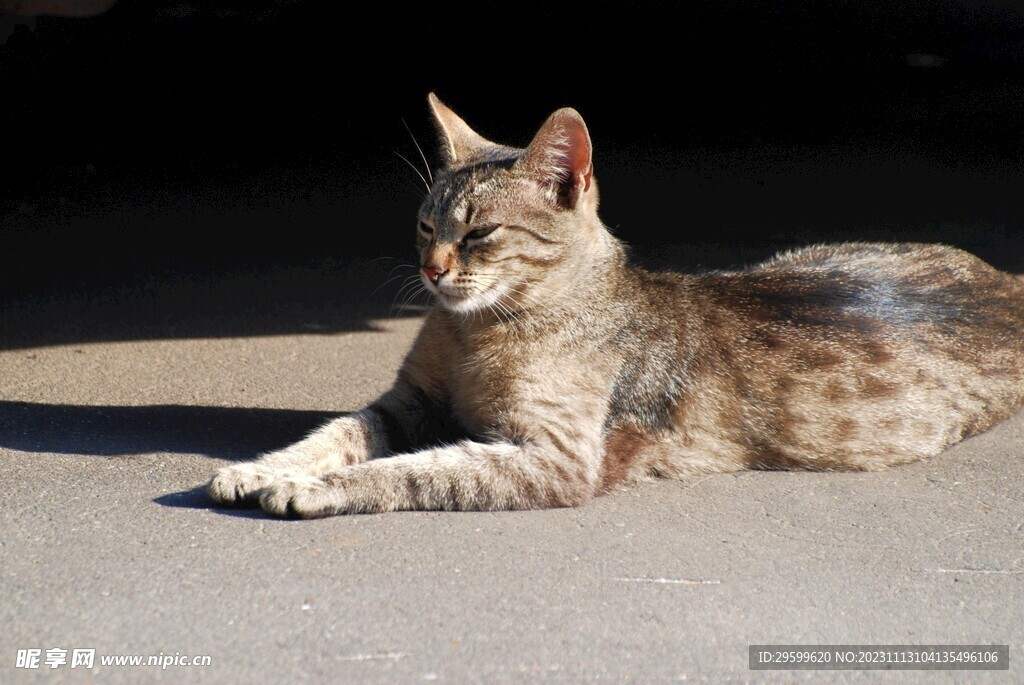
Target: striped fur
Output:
[(552, 371)]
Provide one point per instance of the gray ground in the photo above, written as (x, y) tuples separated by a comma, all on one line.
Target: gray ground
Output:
[(106, 542)]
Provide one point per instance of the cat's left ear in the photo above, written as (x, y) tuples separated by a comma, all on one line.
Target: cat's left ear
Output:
[(560, 157)]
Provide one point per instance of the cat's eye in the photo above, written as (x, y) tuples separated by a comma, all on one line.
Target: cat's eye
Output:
[(481, 232), (425, 228)]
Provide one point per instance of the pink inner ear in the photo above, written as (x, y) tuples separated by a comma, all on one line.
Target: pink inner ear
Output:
[(559, 157), (579, 155)]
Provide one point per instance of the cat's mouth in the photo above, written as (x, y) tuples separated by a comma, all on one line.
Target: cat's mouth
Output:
[(464, 295), (464, 300), (452, 298)]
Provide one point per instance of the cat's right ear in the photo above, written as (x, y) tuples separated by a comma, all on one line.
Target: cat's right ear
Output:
[(559, 158), (458, 141)]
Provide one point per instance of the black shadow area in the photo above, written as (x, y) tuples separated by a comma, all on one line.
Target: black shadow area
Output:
[(312, 296), (203, 169), (237, 433)]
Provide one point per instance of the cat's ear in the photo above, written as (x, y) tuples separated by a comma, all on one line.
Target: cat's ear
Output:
[(458, 141), (560, 157)]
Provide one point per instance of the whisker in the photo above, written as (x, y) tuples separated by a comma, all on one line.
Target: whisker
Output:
[(411, 298), (409, 290), (509, 314), (407, 287), (413, 167), (426, 165), (533, 299), (418, 194), (390, 280), (410, 285), (392, 259), (402, 266)]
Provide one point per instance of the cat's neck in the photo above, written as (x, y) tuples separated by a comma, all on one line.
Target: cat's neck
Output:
[(598, 259)]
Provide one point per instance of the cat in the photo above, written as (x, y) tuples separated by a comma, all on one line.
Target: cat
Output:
[(550, 371)]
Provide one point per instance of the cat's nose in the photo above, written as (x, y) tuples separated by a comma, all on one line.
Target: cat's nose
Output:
[(434, 273)]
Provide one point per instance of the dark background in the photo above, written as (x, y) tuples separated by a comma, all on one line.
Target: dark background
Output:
[(248, 151)]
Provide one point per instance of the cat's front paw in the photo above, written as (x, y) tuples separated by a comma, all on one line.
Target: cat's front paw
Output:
[(238, 484), (306, 497)]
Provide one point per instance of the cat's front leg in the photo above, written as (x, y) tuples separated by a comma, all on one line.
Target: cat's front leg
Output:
[(556, 472), (344, 441)]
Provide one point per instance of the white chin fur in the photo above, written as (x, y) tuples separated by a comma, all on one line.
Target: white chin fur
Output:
[(470, 304)]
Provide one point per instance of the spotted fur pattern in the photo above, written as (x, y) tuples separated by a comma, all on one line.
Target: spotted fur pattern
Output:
[(551, 371)]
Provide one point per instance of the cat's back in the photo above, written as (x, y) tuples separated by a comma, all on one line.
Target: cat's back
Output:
[(924, 263), (926, 292)]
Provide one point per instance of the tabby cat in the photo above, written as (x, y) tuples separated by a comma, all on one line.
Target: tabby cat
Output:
[(551, 371)]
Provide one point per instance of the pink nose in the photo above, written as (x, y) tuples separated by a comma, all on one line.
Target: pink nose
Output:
[(434, 273)]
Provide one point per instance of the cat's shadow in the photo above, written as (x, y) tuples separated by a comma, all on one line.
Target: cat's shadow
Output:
[(235, 433), (196, 498)]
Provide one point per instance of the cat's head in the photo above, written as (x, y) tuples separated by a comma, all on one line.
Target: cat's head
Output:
[(507, 229)]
